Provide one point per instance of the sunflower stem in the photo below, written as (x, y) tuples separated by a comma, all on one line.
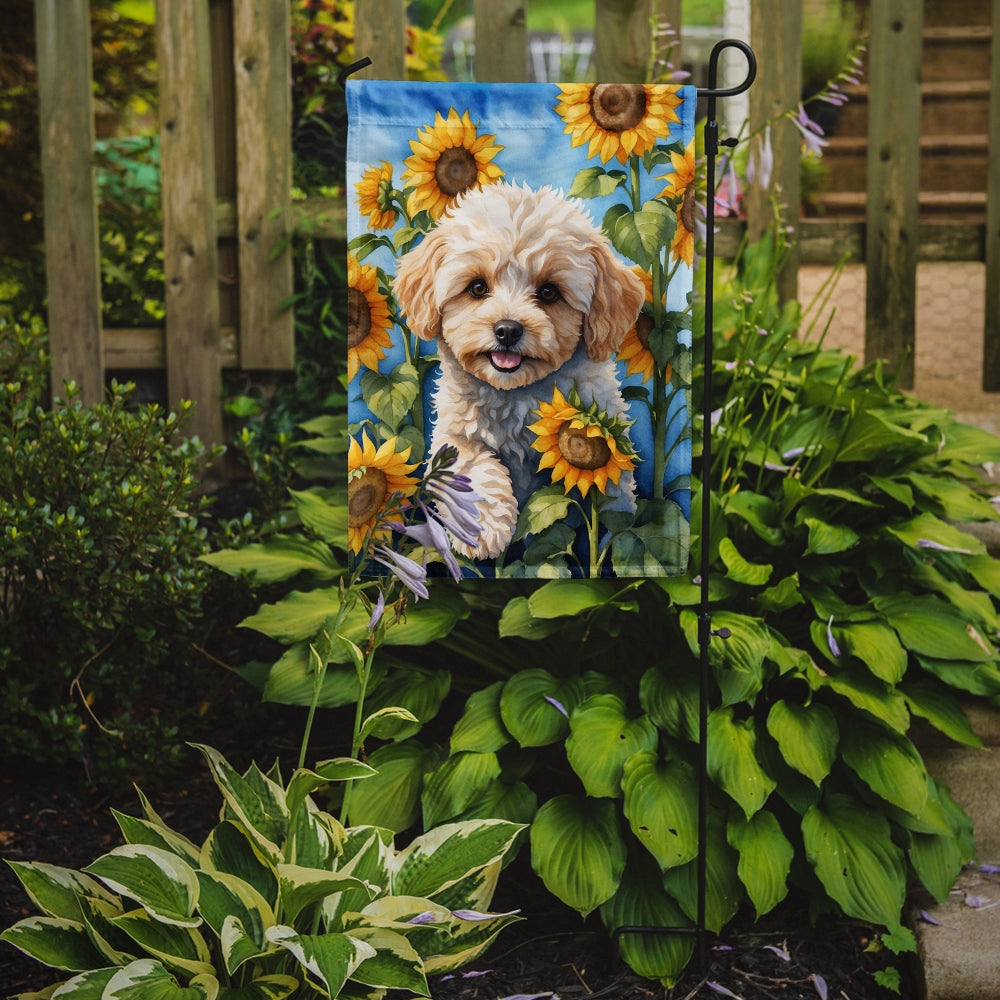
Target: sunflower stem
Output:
[(593, 527)]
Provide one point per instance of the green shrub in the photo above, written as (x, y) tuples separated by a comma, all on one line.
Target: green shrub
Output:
[(101, 584), (279, 900)]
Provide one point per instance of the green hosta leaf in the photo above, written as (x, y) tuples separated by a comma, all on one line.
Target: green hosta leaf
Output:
[(230, 849), (660, 805), (783, 595), (760, 512), (56, 891), (528, 710), (931, 628), (723, 889), (274, 987), (330, 959), (738, 569), (641, 901), (301, 887), (561, 598), (418, 690), (54, 941), (732, 760), (141, 831), (888, 763), (517, 620), (440, 858), (928, 528), (159, 881), (865, 692), (466, 941), (941, 709), (395, 964), (937, 859), (260, 809), (147, 979), (456, 784), (870, 436), (986, 572), (481, 728), (765, 858), (738, 661), (516, 803), (602, 738), (671, 700), (876, 645), (542, 509), (387, 723), (391, 798), (976, 678), (578, 851), (596, 182), (850, 848), (956, 500), (180, 948), (828, 539), (325, 519), (292, 680), (807, 736), (279, 558), (390, 397)]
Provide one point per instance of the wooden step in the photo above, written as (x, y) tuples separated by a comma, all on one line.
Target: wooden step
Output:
[(944, 104), (939, 13), (959, 206), (956, 53)]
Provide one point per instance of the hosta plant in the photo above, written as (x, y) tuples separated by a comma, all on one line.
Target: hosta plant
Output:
[(279, 900)]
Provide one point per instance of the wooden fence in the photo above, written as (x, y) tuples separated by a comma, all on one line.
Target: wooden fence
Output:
[(226, 161)]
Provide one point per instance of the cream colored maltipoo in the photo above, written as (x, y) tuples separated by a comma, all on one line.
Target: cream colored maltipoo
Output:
[(524, 295)]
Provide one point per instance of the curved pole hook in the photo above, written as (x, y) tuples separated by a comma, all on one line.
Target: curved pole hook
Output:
[(712, 90), (353, 68)]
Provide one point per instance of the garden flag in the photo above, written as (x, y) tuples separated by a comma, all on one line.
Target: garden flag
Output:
[(520, 270)]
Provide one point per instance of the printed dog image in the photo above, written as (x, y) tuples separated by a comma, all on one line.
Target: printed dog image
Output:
[(524, 296)]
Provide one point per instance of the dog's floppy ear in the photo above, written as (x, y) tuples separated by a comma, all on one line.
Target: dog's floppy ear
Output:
[(414, 285), (614, 308)]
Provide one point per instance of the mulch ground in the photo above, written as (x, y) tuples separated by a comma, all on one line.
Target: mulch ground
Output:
[(551, 953)]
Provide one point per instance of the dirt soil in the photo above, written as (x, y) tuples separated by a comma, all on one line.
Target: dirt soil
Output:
[(551, 953)]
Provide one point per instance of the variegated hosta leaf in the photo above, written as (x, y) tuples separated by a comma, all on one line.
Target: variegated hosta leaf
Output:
[(315, 838), (158, 880), (301, 887), (304, 782), (642, 902), (54, 941), (765, 858), (275, 987), (149, 980), (732, 760), (578, 851), (395, 964), (177, 947), (329, 959), (456, 784), (468, 939), (141, 831), (807, 736), (56, 891), (441, 857), (475, 891), (116, 946), (230, 849), (367, 853), (481, 727), (850, 847), (256, 801), (86, 986), (661, 799), (225, 897)]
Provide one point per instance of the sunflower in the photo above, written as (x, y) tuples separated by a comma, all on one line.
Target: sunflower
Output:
[(368, 320), (635, 347), (617, 119), (583, 448), (448, 159), (374, 475), (682, 187), (374, 196)]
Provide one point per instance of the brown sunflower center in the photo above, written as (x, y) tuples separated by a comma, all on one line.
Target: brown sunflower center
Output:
[(359, 317), (365, 496), (582, 451), (456, 170), (618, 106), (687, 208), (643, 328)]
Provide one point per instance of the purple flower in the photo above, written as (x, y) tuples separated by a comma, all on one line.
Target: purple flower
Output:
[(719, 988), (377, 612), (780, 952), (427, 917), (927, 543), (431, 534), (558, 705), (455, 504), (820, 983), (411, 574), (475, 915), (834, 648), (811, 132)]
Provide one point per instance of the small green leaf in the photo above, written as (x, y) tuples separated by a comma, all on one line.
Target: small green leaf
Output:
[(595, 182), (543, 508), (535, 706), (738, 569)]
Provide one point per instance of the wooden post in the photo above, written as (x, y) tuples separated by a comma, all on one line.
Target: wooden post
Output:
[(501, 38), (893, 183), (190, 253), (72, 255), (991, 333), (776, 35), (380, 34), (621, 41), (261, 39)]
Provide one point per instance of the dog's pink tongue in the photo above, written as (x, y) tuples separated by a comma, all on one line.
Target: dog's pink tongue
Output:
[(506, 359)]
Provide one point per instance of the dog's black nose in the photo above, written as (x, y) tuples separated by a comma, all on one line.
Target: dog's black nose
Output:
[(508, 332)]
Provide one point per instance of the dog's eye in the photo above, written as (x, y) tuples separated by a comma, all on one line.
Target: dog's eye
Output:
[(478, 288), (548, 293)]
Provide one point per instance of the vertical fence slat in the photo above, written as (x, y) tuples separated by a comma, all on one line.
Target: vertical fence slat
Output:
[(776, 35), (892, 214), (190, 253), (72, 257), (380, 34), (991, 332), (501, 41), (621, 40), (261, 40)]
